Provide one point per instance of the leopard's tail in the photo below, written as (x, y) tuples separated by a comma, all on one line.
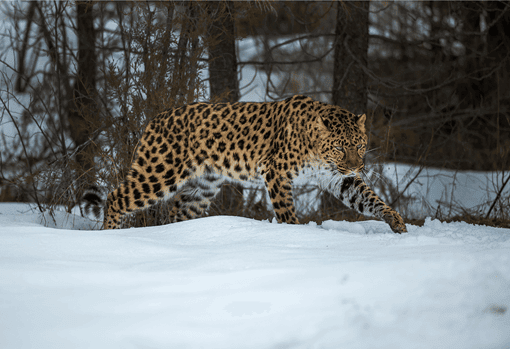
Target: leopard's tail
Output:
[(93, 202)]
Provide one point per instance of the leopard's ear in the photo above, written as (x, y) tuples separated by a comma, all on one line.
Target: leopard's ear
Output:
[(360, 121)]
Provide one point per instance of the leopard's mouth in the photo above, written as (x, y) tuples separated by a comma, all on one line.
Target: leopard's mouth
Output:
[(348, 172)]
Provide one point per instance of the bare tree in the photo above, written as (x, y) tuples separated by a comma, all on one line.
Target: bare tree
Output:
[(83, 111), (223, 81), (349, 77), (351, 50), (223, 77), (61, 89)]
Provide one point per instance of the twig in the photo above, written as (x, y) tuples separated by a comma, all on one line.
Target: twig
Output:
[(417, 174), (497, 196), (26, 155)]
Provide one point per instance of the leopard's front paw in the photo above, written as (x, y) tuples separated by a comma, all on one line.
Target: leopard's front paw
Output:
[(396, 222)]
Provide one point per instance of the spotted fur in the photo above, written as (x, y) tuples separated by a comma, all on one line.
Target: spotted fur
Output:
[(185, 154)]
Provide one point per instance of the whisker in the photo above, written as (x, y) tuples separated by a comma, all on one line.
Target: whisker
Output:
[(365, 177), (371, 150)]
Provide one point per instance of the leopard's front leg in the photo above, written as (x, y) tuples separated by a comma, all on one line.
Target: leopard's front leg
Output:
[(357, 195)]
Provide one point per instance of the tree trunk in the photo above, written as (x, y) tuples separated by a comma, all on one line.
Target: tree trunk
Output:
[(349, 79), (222, 54), (495, 87), (351, 45), (482, 91), (223, 82), (82, 110), (21, 79), (185, 64)]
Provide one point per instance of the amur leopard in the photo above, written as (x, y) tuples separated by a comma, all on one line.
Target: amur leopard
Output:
[(186, 153)]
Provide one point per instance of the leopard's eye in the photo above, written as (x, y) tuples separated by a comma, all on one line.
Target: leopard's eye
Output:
[(361, 146), (339, 149)]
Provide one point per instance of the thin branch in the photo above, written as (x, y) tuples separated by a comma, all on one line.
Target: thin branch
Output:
[(498, 196)]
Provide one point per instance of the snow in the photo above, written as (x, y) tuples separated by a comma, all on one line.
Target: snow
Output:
[(231, 282)]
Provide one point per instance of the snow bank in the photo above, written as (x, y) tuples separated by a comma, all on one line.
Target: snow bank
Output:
[(230, 282)]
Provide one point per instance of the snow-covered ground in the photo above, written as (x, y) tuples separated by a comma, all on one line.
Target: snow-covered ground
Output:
[(230, 282)]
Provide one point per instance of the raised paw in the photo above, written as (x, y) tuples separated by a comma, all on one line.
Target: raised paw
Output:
[(396, 222)]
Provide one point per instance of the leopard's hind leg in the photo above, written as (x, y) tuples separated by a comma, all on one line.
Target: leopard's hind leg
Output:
[(191, 196), (136, 193), (194, 198)]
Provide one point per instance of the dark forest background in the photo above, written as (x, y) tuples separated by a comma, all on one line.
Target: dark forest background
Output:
[(81, 79)]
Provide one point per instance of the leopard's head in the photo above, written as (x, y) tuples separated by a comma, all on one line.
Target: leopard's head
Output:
[(342, 141)]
